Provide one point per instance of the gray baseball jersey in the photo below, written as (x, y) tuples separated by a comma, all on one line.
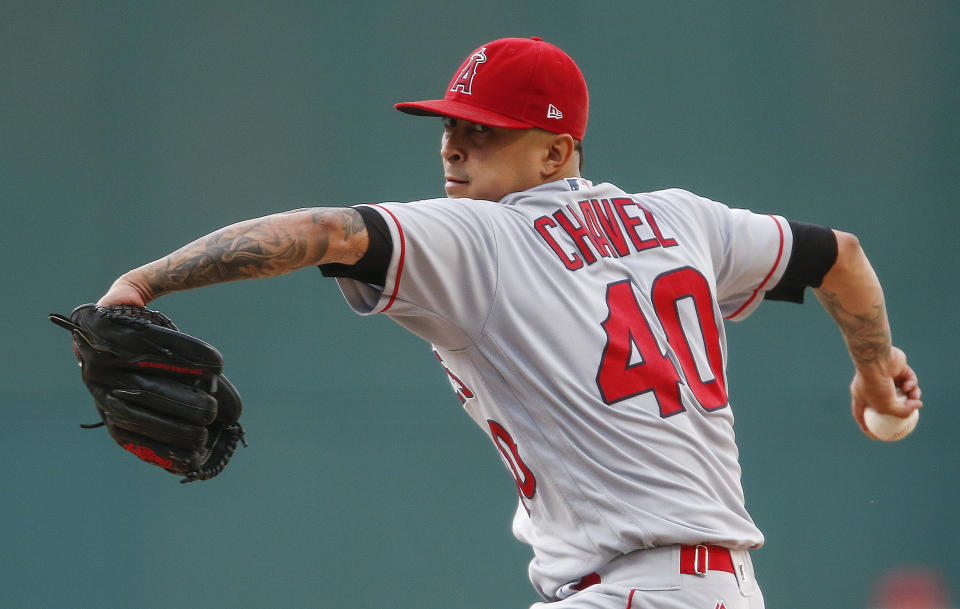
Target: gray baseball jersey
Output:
[(582, 329)]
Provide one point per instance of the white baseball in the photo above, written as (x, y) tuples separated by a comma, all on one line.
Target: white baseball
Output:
[(888, 427)]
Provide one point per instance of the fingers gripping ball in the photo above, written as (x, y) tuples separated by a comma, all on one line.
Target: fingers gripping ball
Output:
[(888, 427), (160, 393)]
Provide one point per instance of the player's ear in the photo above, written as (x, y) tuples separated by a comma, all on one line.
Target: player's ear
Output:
[(559, 153)]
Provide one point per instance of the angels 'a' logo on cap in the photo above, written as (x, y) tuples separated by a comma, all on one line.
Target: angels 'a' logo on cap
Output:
[(464, 82), (554, 112)]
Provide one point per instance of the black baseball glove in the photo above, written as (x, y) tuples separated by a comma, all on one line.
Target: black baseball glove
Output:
[(160, 393)]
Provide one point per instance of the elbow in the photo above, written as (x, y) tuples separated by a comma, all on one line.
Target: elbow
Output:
[(850, 257), (847, 243), (849, 251)]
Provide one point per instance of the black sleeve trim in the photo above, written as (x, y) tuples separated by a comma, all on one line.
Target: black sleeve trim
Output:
[(813, 254), (372, 268)]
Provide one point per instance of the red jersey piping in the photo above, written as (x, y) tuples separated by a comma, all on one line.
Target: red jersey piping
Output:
[(403, 251), (763, 283)]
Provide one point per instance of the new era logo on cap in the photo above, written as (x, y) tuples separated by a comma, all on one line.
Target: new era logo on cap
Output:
[(514, 83)]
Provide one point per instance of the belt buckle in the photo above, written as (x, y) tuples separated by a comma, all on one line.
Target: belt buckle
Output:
[(701, 565)]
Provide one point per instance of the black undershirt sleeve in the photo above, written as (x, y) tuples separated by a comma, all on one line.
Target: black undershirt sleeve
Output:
[(372, 268), (814, 252)]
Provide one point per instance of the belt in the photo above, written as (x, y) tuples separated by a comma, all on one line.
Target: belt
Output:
[(694, 560), (698, 560)]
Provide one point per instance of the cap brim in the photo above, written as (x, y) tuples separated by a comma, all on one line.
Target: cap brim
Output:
[(467, 112)]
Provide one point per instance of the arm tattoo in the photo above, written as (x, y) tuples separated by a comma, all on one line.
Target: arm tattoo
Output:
[(347, 220), (262, 247), (866, 334)]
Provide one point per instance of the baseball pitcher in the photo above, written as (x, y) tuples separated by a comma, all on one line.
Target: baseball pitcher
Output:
[(581, 326)]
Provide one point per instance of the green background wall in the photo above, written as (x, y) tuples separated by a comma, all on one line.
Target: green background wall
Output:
[(128, 128)]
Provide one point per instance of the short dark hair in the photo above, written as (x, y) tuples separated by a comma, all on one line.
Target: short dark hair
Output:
[(578, 148)]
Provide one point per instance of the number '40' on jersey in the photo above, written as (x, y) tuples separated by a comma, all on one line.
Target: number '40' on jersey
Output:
[(633, 363)]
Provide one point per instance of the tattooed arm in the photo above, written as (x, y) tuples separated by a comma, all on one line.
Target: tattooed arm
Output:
[(262, 247), (852, 295)]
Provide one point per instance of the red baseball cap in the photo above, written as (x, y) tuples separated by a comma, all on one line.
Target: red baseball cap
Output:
[(514, 83)]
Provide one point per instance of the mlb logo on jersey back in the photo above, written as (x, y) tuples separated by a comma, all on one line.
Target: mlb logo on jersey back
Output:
[(578, 183)]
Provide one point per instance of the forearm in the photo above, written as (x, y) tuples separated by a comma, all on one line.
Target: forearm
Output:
[(853, 296), (261, 247)]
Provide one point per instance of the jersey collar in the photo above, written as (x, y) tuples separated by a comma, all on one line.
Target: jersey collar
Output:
[(561, 185)]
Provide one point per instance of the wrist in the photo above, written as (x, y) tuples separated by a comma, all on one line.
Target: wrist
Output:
[(888, 364), (874, 373), (127, 289)]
